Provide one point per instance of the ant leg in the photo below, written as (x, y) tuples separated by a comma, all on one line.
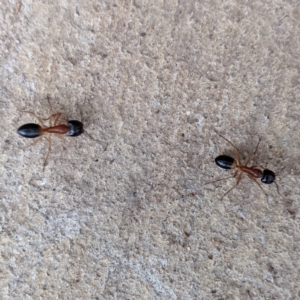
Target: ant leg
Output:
[(277, 187), (49, 149), (235, 147), (253, 155), (234, 175), (32, 113), (238, 181), (55, 121), (59, 136), (251, 177), (50, 106), (48, 99), (52, 115), (35, 142), (57, 115), (65, 119)]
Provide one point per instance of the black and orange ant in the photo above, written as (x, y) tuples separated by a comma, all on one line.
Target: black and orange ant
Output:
[(226, 162), (32, 130)]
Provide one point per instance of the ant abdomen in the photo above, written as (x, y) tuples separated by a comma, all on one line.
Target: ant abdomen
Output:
[(30, 130), (225, 162)]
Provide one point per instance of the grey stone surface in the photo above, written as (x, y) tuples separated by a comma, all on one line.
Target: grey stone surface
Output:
[(126, 215)]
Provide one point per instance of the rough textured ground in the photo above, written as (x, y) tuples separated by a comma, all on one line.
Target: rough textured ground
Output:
[(126, 215)]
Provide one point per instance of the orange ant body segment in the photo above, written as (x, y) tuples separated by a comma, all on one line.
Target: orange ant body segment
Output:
[(253, 172), (32, 130)]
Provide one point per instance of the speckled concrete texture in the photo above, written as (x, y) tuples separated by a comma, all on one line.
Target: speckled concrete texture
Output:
[(123, 211)]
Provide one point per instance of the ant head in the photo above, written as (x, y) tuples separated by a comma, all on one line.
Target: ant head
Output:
[(76, 128), (268, 177)]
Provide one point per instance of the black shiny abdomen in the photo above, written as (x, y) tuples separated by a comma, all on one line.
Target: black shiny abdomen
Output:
[(224, 161), (76, 128), (268, 177), (30, 130)]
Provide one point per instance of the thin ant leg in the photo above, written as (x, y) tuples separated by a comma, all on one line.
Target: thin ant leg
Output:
[(35, 142), (65, 119), (257, 183), (234, 175), (253, 155), (235, 147), (59, 136), (32, 113), (238, 181), (51, 112), (56, 120), (49, 149), (57, 115), (48, 99)]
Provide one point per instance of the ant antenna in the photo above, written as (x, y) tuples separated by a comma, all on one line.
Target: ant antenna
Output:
[(84, 131), (277, 187)]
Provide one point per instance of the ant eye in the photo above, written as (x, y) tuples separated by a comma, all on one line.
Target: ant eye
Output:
[(268, 177), (76, 128)]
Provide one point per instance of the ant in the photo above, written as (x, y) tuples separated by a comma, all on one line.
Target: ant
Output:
[(32, 130), (226, 162)]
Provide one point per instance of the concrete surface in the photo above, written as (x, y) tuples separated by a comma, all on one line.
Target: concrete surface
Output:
[(125, 214)]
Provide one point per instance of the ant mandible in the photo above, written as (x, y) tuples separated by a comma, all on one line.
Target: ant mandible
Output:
[(226, 162), (32, 130)]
